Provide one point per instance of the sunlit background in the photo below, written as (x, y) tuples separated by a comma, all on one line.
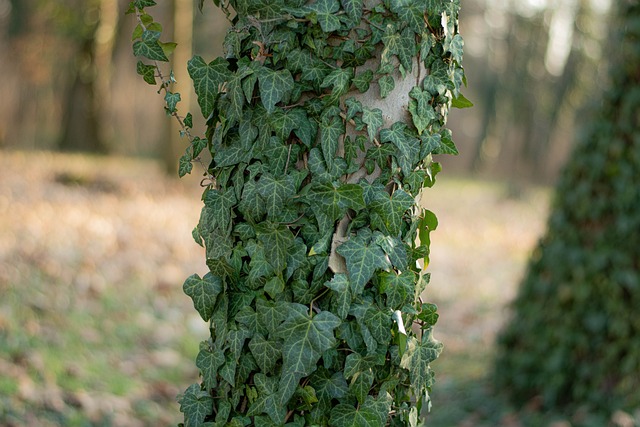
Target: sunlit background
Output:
[(95, 234)]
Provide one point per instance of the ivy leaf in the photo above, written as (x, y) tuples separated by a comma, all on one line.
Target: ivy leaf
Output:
[(429, 314), (196, 405), (447, 145), (461, 101), (149, 47), (373, 119), (148, 72), (305, 339), (330, 139), (328, 386), (172, 100), (270, 314), (361, 384), (410, 12), (276, 192), (265, 352), (267, 401), (326, 14), (218, 209), (251, 204), (339, 284), (334, 199), (274, 86), (204, 292), (338, 80), (391, 209), (408, 146), (417, 359), (209, 361), (387, 84), (185, 166), (399, 288), (141, 4), (353, 8), (456, 48), (361, 81), (363, 258), (207, 79), (277, 239), (374, 412)]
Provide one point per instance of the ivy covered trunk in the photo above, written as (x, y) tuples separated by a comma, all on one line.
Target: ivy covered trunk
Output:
[(573, 340), (322, 122)]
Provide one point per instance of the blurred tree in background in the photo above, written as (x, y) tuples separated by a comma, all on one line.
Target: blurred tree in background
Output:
[(573, 339), (531, 65)]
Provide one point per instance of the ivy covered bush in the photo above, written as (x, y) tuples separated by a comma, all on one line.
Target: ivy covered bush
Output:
[(322, 120), (573, 340)]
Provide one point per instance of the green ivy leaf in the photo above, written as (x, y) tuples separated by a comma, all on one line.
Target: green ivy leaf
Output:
[(399, 288), (141, 4), (267, 353), (326, 14), (185, 166), (267, 401), (274, 86), (361, 384), (330, 139), (209, 361), (339, 81), (196, 405), (410, 12), (456, 48), (417, 359), (374, 412), (391, 209), (363, 80), (373, 119), (277, 239), (461, 102), (334, 199), (148, 72), (339, 284), (408, 146), (207, 79), (387, 84), (149, 47), (276, 192), (204, 292), (353, 8), (172, 100), (363, 258), (429, 314), (305, 339)]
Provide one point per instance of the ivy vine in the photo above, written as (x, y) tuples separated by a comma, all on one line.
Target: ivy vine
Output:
[(312, 221)]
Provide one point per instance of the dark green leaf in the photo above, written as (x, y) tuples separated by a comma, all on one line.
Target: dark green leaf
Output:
[(172, 100), (148, 72), (373, 119), (209, 361), (353, 8), (196, 404), (149, 47), (339, 284), (417, 360), (387, 84), (361, 384), (207, 79), (185, 166), (305, 339), (326, 14), (277, 239), (361, 81), (399, 288), (204, 292), (266, 353), (276, 193), (363, 258), (391, 209), (274, 86)]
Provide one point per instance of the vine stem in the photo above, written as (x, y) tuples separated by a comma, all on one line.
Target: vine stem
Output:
[(164, 85)]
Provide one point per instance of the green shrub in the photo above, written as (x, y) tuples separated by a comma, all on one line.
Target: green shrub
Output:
[(322, 123), (573, 340)]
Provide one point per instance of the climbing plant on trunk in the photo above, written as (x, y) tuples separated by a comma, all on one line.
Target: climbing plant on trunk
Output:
[(322, 120)]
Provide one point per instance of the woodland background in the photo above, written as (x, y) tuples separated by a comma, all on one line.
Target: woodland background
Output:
[(94, 329)]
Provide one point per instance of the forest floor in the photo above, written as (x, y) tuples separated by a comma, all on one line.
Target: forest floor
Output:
[(95, 329)]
